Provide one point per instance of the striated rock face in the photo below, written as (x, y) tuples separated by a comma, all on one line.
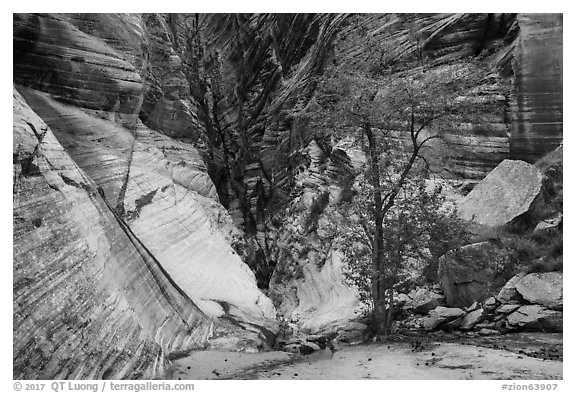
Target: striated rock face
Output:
[(160, 187), (168, 102), (537, 101), (52, 55), (318, 301), (154, 205), (506, 193), (308, 283), (90, 301)]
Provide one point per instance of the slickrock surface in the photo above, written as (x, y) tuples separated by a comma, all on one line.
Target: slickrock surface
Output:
[(162, 190), (506, 193), (89, 300)]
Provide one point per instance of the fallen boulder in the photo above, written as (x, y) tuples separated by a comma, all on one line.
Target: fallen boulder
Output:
[(469, 274), (506, 193), (542, 288), (535, 317)]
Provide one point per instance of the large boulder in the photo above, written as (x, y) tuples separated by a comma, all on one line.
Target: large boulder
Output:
[(506, 193), (469, 274), (535, 317), (542, 288)]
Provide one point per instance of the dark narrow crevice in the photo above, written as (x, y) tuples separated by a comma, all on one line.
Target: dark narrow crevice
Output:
[(120, 210)]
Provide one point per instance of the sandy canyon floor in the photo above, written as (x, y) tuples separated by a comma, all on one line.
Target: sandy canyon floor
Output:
[(513, 356)]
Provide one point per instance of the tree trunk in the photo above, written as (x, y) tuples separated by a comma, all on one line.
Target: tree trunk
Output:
[(379, 317), (389, 318)]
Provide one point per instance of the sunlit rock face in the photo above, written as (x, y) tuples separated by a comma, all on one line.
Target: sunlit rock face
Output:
[(90, 301), (537, 101)]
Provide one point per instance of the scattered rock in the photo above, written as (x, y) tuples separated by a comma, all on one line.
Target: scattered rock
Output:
[(542, 288), (549, 223), (535, 317), (454, 324), (402, 299), (507, 308), (441, 315), (472, 319), (485, 325), (506, 193), (490, 304), (473, 307), (423, 301), (292, 348), (309, 347), (488, 332)]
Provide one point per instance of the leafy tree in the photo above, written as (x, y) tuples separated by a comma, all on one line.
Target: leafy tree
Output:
[(419, 109), (421, 220)]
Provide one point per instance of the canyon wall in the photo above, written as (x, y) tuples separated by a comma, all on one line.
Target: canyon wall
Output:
[(182, 147), (537, 96), (125, 214)]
